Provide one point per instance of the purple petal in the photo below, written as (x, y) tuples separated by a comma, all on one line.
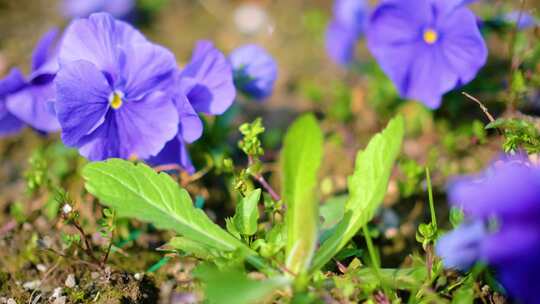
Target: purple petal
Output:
[(351, 14), (9, 124), (147, 68), (44, 49), (207, 80), (137, 129), (463, 45), (520, 277), (31, 106), (340, 43), (174, 152), (13, 82), (119, 8), (507, 189), (100, 40), (523, 235), (83, 8), (190, 127), (428, 77), (461, 248), (82, 100)]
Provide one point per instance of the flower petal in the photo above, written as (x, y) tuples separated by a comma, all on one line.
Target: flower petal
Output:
[(207, 80), (464, 48), (43, 51), (137, 129), (13, 82), (98, 40), (340, 43), (190, 127), (31, 105), (9, 124), (145, 126), (461, 248), (82, 93), (174, 152), (147, 68), (351, 14), (509, 189)]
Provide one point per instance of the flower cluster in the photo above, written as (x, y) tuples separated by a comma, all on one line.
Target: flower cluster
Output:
[(426, 47), (113, 93), (502, 207)]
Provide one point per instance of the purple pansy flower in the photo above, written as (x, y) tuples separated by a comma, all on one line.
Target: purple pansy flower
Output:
[(426, 47), (205, 86), (507, 194), (345, 29), (255, 71), (113, 90), (84, 8), (30, 101)]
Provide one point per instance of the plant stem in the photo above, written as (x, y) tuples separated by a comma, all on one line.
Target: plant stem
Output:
[(267, 187), (261, 180), (372, 254), (431, 204), (88, 246), (108, 252), (513, 56)]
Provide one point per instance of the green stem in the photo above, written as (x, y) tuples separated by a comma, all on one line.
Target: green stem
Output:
[(431, 203), (373, 255)]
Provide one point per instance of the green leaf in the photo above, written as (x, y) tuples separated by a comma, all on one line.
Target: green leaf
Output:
[(232, 286), (465, 293), (367, 187), (401, 278), (332, 211), (247, 214), (190, 247), (137, 191), (301, 157)]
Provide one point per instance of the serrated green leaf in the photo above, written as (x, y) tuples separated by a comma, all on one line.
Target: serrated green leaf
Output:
[(301, 158), (137, 191), (367, 187), (247, 214), (233, 286)]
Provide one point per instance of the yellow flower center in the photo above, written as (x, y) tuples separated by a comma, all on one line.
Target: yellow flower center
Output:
[(115, 100), (430, 36)]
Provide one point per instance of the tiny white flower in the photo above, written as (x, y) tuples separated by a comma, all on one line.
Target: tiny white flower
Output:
[(67, 209)]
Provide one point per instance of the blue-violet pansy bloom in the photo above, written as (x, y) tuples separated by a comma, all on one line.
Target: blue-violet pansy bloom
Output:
[(113, 90), (426, 47), (255, 71)]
